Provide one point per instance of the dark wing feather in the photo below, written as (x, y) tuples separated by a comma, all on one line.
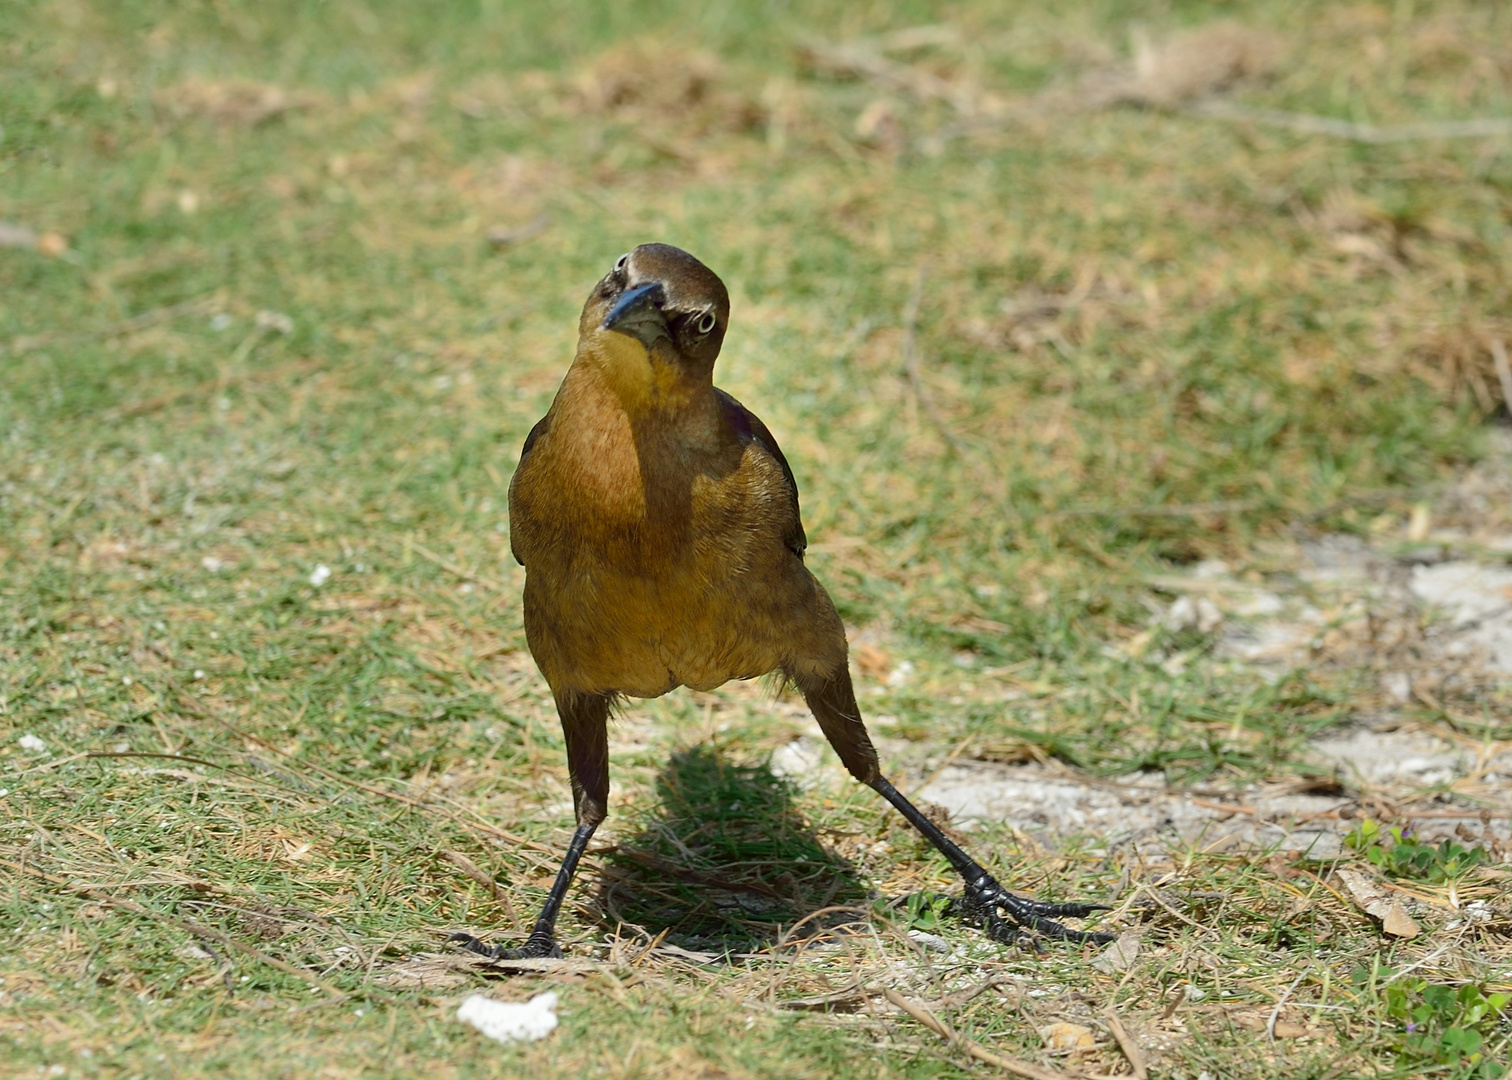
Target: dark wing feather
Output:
[(530, 440), (751, 430)]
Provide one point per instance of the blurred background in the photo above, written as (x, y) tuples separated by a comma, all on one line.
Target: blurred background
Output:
[(1053, 310)]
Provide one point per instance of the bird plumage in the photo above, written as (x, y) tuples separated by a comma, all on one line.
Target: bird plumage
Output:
[(649, 507), (658, 523)]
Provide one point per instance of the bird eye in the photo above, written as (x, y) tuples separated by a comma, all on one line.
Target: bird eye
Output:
[(622, 262), (706, 322)]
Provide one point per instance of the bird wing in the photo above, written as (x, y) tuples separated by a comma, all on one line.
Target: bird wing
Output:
[(530, 440), (751, 430)]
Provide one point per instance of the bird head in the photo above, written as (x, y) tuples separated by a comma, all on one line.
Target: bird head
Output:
[(656, 320)]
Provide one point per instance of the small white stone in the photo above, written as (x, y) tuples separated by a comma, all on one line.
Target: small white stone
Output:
[(320, 575), (929, 942), (32, 743), (1193, 613), (900, 675), (273, 320)]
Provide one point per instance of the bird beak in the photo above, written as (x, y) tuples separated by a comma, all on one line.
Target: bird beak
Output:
[(638, 313)]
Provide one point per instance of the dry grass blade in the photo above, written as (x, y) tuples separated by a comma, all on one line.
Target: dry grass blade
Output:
[(203, 932), (1126, 1043), (1275, 1014), (120, 327), (970, 1046), (476, 872), (190, 702), (1489, 127), (451, 567), (849, 995), (858, 61), (218, 385), (1232, 506), (911, 363), (501, 237), (1503, 371), (1154, 895)]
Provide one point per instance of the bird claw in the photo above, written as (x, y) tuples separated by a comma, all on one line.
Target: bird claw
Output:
[(1008, 918), (536, 947)]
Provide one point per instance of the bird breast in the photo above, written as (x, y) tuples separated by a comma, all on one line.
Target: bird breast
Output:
[(640, 539)]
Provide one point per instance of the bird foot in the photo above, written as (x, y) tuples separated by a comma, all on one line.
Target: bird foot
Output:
[(1009, 918), (536, 947)]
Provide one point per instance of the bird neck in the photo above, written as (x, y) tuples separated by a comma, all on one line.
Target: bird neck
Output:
[(627, 455), (649, 383)]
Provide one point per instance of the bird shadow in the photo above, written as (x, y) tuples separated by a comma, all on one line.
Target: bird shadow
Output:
[(724, 862)]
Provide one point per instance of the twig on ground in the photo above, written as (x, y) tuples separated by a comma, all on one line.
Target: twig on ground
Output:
[(1127, 1044), (501, 237), (1270, 1024), (849, 994), (1503, 371), (24, 343), (1155, 896), (223, 963), (446, 564), (971, 993), (1232, 506), (476, 872), (785, 939), (859, 61), (1308, 124), (970, 1046), (911, 363), (54, 764)]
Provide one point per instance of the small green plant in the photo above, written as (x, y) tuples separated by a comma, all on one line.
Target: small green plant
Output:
[(1397, 852), (917, 911), (1446, 1025)]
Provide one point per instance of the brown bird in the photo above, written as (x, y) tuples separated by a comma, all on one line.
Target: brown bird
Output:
[(657, 522)]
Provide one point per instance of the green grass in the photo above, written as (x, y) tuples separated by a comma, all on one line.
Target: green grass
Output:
[(1151, 339)]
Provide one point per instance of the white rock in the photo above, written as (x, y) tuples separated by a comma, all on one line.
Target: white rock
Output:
[(511, 1021), (796, 759), (32, 744), (1194, 613), (1478, 602), (929, 942), (320, 575), (899, 676)]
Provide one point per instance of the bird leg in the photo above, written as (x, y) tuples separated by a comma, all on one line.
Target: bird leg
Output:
[(542, 939), (584, 725), (1005, 915)]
